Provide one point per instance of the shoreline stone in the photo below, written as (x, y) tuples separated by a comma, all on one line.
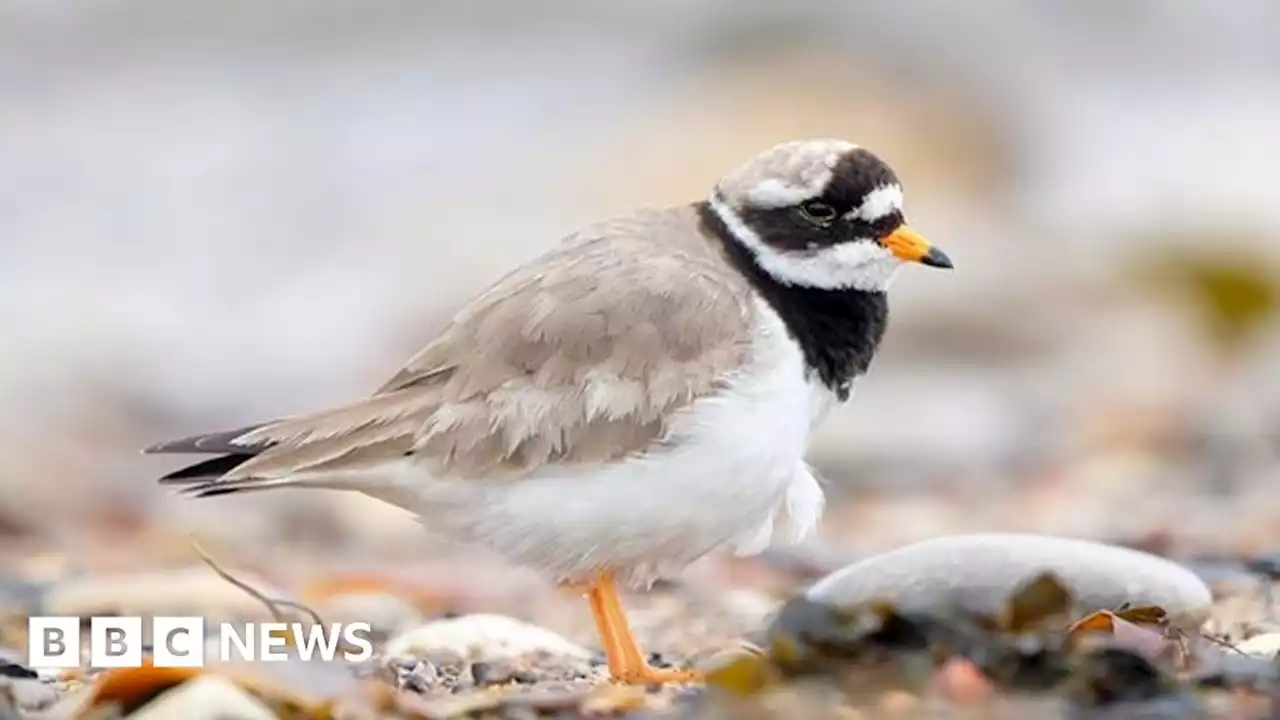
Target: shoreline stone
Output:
[(978, 572)]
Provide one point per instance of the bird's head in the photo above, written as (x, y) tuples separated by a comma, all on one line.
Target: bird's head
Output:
[(822, 213)]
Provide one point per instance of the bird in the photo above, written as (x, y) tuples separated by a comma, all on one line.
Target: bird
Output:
[(639, 396)]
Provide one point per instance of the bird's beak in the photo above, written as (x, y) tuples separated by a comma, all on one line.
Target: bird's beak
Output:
[(907, 244)]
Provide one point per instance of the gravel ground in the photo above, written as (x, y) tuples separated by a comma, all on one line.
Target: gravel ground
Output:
[(461, 638)]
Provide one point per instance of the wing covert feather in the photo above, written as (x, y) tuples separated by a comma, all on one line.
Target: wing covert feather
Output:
[(578, 357)]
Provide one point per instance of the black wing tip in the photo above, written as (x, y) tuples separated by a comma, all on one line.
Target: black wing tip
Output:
[(206, 490), (205, 478), (206, 470)]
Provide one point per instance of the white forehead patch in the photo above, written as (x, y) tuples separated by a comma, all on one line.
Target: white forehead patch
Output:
[(786, 174), (881, 202), (858, 265), (774, 193)]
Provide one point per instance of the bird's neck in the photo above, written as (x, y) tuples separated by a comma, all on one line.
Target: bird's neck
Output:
[(837, 330)]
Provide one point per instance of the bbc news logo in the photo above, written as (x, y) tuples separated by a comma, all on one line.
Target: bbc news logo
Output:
[(55, 642)]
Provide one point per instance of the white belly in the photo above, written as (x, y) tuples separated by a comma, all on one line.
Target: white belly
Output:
[(732, 468)]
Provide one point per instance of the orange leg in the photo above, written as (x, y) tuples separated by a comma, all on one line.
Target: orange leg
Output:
[(607, 632), (627, 662)]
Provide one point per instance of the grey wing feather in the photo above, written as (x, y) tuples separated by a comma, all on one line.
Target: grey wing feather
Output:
[(578, 357), (217, 442)]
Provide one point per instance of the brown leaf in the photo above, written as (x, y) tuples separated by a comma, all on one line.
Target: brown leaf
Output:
[(1147, 640), (1144, 615), (1037, 603), (1101, 621), (1151, 643), (131, 688)]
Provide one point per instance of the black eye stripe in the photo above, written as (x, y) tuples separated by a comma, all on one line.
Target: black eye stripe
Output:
[(858, 174), (837, 202), (881, 227), (794, 228), (888, 223)]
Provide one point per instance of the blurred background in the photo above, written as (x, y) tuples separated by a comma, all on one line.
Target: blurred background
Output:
[(213, 213)]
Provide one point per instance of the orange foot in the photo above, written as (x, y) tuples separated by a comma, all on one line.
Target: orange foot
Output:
[(627, 663), (648, 675)]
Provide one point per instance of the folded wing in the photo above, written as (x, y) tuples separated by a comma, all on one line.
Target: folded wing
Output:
[(579, 357)]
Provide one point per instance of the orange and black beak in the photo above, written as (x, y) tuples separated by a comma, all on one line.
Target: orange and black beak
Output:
[(907, 244)]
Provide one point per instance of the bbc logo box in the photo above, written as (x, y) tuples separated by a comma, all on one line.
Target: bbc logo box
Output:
[(57, 642)]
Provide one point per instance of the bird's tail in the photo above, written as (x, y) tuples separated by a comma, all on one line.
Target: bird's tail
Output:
[(243, 462), (204, 478)]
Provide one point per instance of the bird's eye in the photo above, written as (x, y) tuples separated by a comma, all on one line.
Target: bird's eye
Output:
[(818, 212)]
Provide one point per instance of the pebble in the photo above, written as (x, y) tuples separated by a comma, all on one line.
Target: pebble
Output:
[(305, 680), (69, 705), (979, 572), (414, 676), (483, 637), (195, 590), (748, 606), (482, 674), (31, 694), (386, 614), (207, 697), (1264, 646)]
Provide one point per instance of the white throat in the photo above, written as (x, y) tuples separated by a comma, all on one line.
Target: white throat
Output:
[(864, 266)]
